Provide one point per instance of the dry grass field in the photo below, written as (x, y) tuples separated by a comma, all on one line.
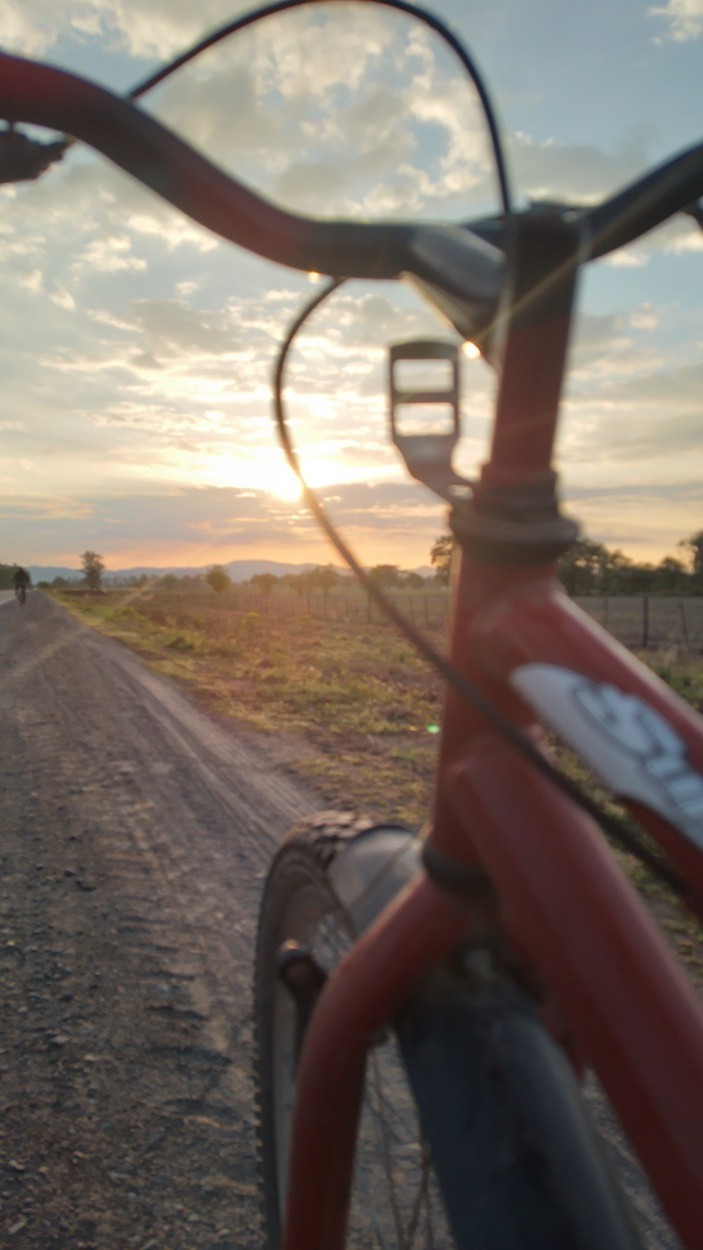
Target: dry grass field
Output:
[(352, 689), (340, 674), (359, 705)]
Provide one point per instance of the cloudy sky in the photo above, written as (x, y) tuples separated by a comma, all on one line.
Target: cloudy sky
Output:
[(136, 350)]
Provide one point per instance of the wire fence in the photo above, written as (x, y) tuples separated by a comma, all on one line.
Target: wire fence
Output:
[(640, 622), (427, 608), (650, 622)]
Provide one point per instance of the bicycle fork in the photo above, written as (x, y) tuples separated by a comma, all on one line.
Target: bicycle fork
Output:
[(570, 910), (417, 932)]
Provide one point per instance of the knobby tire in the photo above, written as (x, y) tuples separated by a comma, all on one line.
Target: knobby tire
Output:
[(467, 1079)]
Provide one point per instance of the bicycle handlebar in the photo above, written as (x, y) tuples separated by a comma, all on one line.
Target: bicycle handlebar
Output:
[(460, 268)]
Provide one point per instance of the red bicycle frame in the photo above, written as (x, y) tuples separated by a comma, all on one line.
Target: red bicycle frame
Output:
[(564, 902)]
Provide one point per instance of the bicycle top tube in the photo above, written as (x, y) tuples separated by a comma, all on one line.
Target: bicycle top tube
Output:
[(461, 268)]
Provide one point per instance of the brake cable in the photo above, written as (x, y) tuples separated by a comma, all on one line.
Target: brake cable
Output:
[(401, 6), (468, 690)]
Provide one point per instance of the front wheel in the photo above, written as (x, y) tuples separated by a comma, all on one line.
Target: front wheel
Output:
[(331, 876), (501, 1155)]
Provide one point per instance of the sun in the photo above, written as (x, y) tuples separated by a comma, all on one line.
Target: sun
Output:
[(272, 475), (284, 485)]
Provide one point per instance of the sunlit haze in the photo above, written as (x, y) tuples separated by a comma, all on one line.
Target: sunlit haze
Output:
[(137, 349)]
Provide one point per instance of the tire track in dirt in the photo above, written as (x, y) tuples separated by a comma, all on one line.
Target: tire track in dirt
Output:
[(137, 832)]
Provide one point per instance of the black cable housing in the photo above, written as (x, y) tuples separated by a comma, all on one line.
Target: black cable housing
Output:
[(472, 695), (400, 6)]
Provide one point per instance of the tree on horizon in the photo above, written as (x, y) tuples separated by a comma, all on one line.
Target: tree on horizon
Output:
[(218, 578), (387, 576), (325, 577), (264, 582), (93, 567), (441, 557), (694, 546)]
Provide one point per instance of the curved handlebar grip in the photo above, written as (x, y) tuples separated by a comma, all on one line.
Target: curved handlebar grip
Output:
[(149, 151), (451, 260), (460, 269), (644, 204)]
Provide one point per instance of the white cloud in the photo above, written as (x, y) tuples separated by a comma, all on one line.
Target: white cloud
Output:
[(626, 258), (159, 29), (651, 416), (447, 100), (692, 241), (578, 173), (333, 116), (31, 280), (644, 318), (110, 254), (27, 27), (321, 52), (684, 18), (62, 299)]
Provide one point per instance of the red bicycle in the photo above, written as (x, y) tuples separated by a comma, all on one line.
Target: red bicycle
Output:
[(426, 1007)]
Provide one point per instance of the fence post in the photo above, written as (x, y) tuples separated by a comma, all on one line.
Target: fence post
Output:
[(645, 622)]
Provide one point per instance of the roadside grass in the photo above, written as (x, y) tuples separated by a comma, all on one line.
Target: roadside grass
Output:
[(363, 705), (356, 692)]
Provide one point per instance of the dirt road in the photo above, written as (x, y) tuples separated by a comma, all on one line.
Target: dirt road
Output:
[(135, 833)]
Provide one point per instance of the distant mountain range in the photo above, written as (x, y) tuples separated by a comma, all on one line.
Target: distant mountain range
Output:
[(239, 571)]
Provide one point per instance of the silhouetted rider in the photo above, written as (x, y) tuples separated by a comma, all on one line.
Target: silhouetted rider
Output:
[(21, 577)]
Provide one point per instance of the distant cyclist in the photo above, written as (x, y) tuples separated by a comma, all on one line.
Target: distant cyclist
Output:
[(21, 582)]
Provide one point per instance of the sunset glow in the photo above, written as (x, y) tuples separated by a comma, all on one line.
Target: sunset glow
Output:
[(137, 349)]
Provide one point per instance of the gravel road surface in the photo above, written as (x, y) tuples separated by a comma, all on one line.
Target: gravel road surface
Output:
[(134, 835)]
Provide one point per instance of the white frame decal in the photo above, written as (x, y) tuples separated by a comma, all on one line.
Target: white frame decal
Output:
[(629, 745)]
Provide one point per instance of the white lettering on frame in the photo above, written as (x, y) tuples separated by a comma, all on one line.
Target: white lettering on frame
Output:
[(627, 743)]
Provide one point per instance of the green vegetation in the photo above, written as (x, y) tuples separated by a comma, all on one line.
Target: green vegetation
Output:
[(441, 557), (218, 578), (591, 568), (355, 694), (93, 567)]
